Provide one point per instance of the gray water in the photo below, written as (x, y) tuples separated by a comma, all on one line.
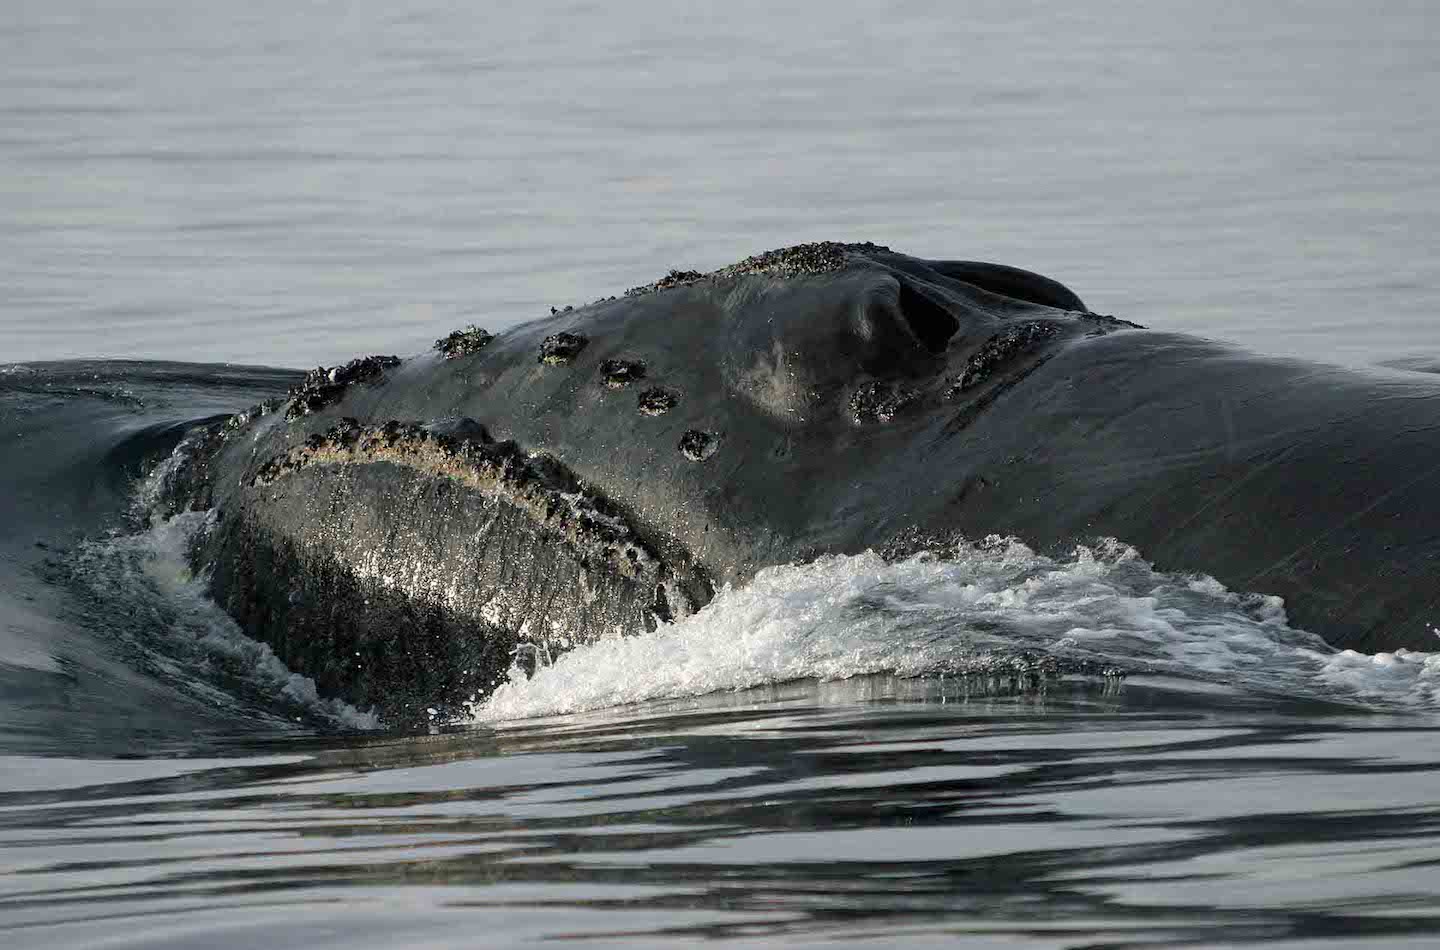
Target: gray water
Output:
[(861, 813), (289, 182), (296, 183)]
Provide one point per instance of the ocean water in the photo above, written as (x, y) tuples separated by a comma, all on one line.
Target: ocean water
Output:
[(852, 751), (287, 183)]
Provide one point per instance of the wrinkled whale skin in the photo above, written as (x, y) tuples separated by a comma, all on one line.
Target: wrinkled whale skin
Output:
[(400, 537)]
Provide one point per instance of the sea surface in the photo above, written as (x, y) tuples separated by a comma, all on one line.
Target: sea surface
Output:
[(200, 198)]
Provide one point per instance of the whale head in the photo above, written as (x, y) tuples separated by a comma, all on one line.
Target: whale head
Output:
[(404, 527)]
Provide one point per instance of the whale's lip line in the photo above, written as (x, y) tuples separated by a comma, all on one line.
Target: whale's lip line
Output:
[(501, 469), (595, 527)]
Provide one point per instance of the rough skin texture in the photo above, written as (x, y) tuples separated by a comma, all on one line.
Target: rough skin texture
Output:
[(800, 260), (881, 402), (1003, 348), (463, 342), (617, 374), (534, 484), (560, 349), (657, 401), (324, 387)]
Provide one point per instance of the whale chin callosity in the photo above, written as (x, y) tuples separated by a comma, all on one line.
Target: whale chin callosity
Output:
[(396, 529)]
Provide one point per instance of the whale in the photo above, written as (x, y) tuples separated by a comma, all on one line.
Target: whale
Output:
[(400, 530)]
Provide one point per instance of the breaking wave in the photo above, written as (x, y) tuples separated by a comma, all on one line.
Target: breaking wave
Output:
[(170, 627), (989, 609)]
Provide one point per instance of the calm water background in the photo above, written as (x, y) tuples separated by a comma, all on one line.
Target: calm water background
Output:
[(299, 182), (296, 182)]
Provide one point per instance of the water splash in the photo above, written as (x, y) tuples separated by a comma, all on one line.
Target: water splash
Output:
[(163, 615), (966, 611)]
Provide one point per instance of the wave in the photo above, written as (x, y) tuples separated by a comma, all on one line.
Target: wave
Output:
[(162, 614), (986, 609), (106, 645)]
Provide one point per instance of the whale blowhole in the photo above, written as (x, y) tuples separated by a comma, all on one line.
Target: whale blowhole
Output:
[(932, 325)]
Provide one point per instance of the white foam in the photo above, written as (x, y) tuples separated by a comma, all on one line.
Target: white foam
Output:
[(844, 616), (184, 634)]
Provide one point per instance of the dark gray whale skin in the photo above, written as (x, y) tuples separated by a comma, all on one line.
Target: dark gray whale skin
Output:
[(826, 398)]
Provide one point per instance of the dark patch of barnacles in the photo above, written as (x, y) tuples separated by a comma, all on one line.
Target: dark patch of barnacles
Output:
[(463, 342), (617, 374), (657, 401), (323, 387), (800, 260), (558, 349), (246, 416), (676, 278), (1001, 349), (881, 402), (698, 445)]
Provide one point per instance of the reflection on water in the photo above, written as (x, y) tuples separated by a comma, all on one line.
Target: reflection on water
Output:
[(1083, 814)]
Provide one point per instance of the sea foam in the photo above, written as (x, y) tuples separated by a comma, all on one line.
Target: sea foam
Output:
[(163, 614), (966, 611)]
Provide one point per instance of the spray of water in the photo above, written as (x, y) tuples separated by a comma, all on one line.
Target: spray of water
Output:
[(968, 611), (166, 621)]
